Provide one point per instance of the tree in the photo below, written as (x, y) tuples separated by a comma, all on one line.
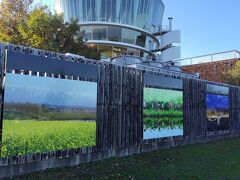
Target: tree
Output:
[(233, 75), (13, 13), (39, 28), (49, 31)]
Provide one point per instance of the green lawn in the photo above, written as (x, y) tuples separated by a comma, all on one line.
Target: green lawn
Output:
[(27, 136), (217, 160)]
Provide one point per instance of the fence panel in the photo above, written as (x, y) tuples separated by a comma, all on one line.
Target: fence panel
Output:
[(119, 107), (235, 109), (25, 61), (195, 115)]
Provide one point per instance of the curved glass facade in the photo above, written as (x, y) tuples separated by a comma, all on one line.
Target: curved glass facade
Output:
[(118, 34), (116, 26), (145, 14), (107, 51)]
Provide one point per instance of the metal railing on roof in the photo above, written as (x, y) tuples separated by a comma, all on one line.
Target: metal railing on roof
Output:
[(162, 70), (221, 56), (160, 30)]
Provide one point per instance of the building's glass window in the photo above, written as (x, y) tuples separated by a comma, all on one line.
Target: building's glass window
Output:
[(141, 39), (103, 10), (117, 51), (123, 11), (90, 6), (94, 10), (84, 12), (105, 51), (149, 43), (99, 33), (89, 10), (114, 33), (93, 47), (141, 13), (113, 10), (108, 12), (87, 33), (75, 11), (130, 11), (128, 36), (133, 52)]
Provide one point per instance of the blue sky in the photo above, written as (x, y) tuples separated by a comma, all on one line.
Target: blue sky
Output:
[(207, 26), (217, 102), (50, 91)]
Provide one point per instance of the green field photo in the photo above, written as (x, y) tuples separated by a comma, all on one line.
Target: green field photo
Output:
[(47, 114), (163, 113), (28, 136)]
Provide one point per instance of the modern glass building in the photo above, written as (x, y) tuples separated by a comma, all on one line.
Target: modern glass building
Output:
[(117, 27)]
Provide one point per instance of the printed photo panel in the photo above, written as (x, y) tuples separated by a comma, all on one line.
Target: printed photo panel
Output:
[(44, 114), (217, 112), (163, 113)]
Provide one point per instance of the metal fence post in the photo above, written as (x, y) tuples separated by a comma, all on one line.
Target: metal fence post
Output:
[(191, 61), (236, 55), (3, 57)]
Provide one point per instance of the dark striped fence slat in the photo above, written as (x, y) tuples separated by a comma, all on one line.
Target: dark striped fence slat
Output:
[(2, 76), (194, 105), (234, 98), (119, 107)]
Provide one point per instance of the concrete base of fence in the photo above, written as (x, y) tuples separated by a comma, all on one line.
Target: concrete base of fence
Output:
[(147, 146)]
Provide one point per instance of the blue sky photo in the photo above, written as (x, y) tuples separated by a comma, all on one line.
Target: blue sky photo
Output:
[(217, 102), (51, 91)]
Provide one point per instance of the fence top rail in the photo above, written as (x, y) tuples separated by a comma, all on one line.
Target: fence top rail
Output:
[(44, 53), (150, 69), (69, 58)]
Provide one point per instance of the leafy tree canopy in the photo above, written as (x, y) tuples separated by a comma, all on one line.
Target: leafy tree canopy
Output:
[(233, 75), (37, 27), (13, 13)]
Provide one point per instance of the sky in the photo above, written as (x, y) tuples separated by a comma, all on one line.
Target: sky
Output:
[(217, 102), (207, 26), (50, 91)]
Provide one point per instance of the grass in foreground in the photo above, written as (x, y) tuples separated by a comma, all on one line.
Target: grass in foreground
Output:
[(27, 136), (218, 160)]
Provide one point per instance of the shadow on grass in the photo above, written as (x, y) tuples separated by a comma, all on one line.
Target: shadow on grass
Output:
[(217, 160)]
